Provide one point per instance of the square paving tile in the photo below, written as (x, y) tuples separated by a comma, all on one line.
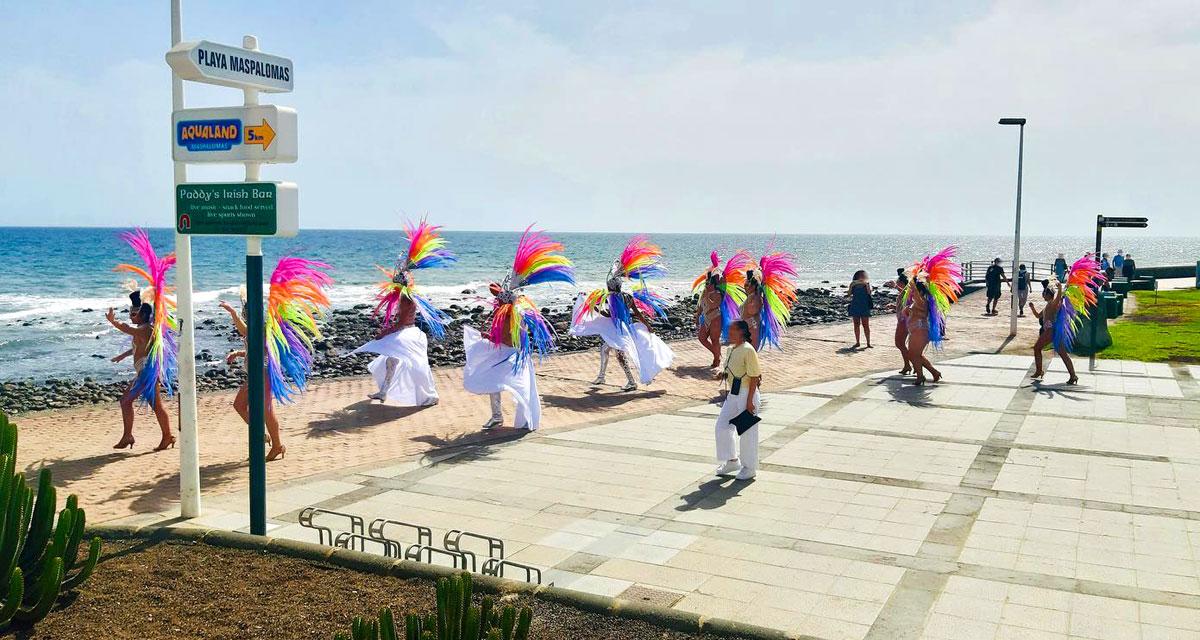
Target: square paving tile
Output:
[(992, 360), (902, 418), (1168, 485), (974, 608), (778, 408), (840, 512), (891, 457), (942, 395), (1133, 550), (691, 435), (831, 388), (1067, 401), (961, 374), (1177, 443), (1115, 384), (1123, 368)]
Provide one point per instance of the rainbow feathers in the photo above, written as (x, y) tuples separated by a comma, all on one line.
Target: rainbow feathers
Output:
[(641, 259), (941, 276), (426, 247), (1079, 294), (537, 261), (297, 299), (426, 250), (162, 350), (777, 273)]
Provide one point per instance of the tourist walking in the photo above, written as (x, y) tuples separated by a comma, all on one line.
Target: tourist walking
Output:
[(993, 278), (721, 294), (152, 330), (401, 370), (860, 307), (501, 360), (1022, 289), (1129, 267), (623, 319), (742, 373), (1060, 268)]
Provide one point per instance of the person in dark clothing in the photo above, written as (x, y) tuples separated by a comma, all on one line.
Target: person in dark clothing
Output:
[(860, 306), (993, 278), (1128, 268), (1060, 268), (1022, 289)]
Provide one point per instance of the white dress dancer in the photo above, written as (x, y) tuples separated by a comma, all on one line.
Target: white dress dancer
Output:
[(489, 370), (402, 370), (637, 343)]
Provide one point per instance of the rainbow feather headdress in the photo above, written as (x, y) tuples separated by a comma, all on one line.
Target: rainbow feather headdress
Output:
[(941, 276), (639, 260), (296, 300), (1078, 296), (777, 274), (426, 250), (516, 319), (732, 286), (160, 366)]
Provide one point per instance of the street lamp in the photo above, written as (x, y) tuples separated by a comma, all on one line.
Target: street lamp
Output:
[(1012, 322)]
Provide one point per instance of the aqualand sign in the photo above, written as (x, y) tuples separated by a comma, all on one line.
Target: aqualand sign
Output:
[(265, 133)]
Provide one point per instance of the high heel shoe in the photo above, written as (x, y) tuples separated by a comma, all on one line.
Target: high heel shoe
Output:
[(919, 382), (166, 444), (125, 443), (276, 454)]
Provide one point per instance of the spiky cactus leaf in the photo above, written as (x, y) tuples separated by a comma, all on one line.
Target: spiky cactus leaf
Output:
[(85, 571), (12, 598), (508, 618), (47, 593), (42, 521), (523, 622)]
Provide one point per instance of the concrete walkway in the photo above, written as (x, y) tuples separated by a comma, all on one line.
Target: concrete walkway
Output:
[(987, 506)]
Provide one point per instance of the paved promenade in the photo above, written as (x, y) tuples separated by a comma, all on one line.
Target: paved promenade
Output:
[(333, 427)]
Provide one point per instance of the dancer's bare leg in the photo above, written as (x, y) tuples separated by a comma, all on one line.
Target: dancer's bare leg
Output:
[(1038, 370), (714, 343), (1066, 358), (917, 339), (127, 401), (277, 447), (164, 423), (902, 345), (241, 403)]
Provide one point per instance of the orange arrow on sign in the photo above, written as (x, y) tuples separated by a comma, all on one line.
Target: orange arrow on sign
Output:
[(262, 134)]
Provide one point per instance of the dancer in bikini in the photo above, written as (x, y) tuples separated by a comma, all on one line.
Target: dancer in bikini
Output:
[(722, 292), (934, 283), (297, 298), (901, 337), (501, 360), (622, 319), (1067, 304), (152, 330), (770, 294), (402, 370)]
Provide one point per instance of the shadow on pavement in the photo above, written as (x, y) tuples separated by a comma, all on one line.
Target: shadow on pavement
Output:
[(364, 413), (712, 494), (156, 494), (70, 470), (695, 372), (904, 391), (599, 400)]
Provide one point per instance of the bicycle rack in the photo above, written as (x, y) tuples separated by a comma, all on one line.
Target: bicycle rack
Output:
[(456, 557), (495, 567), (347, 540), (323, 533), (379, 525), (454, 536)]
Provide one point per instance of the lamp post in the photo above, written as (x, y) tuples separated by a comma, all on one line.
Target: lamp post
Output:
[(1012, 321)]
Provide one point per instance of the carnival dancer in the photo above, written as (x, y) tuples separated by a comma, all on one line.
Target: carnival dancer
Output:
[(501, 360), (152, 331), (622, 319), (900, 284), (1066, 307), (770, 294), (296, 300), (721, 292), (933, 286), (402, 370)]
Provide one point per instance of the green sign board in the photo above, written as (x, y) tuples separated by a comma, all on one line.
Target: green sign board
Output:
[(226, 209)]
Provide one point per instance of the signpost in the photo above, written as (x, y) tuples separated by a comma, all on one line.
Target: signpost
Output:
[(251, 134), (264, 134), (1103, 222)]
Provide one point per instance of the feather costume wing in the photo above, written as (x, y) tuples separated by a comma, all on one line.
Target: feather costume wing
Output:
[(641, 259), (1079, 295), (426, 247), (516, 319), (426, 250), (296, 300), (650, 303), (698, 283), (538, 261), (942, 277), (733, 289), (778, 273), (162, 351)]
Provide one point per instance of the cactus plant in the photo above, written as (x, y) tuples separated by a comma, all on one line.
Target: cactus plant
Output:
[(456, 619), (39, 557)]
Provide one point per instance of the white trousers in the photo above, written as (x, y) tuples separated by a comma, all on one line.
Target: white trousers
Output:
[(402, 369), (730, 445)]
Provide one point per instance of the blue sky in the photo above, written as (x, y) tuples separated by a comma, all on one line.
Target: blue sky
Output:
[(655, 116)]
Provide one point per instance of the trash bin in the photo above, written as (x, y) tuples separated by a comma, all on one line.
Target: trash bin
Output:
[(1112, 303)]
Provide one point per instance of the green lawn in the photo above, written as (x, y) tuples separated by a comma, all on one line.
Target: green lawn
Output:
[(1166, 329)]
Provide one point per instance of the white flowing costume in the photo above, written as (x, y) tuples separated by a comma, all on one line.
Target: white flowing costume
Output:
[(641, 346), (412, 380), (489, 370)]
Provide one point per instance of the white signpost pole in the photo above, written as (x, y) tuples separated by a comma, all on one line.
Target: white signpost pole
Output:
[(189, 441)]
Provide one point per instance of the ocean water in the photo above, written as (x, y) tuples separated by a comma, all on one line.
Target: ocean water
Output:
[(51, 277)]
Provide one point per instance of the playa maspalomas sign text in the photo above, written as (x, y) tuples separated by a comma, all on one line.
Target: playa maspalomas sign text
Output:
[(237, 209), (222, 64)]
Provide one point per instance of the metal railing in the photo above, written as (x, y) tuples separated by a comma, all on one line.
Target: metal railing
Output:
[(973, 272)]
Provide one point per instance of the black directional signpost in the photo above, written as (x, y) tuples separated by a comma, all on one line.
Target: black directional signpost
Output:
[(1099, 316)]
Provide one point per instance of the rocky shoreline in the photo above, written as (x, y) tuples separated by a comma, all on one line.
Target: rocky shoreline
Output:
[(346, 329)]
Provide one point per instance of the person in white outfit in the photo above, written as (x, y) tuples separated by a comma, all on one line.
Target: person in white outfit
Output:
[(739, 454), (402, 371)]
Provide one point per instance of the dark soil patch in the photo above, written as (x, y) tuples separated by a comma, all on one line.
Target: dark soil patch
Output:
[(159, 590), (1156, 319)]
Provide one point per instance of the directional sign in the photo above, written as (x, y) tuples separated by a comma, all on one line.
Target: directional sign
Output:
[(228, 66), (237, 209), (265, 133), (1122, 222)]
